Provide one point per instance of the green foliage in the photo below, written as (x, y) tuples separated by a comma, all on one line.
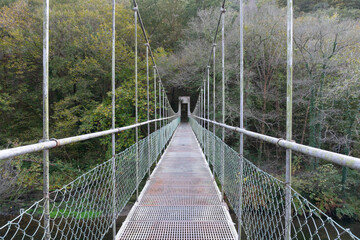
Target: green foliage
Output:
[(165, 19), (311, 5), (323, 188), (77, 215), (80, 82)]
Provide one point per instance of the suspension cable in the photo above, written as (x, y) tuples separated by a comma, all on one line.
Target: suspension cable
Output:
[(214, 39), (147, 40)]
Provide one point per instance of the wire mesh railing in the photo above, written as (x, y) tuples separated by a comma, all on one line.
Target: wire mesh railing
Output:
[(261, 203), (83, 209)]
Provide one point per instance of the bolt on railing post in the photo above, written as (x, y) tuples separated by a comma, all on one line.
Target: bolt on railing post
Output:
[(289, 117), (148, 105), (241, 150), (113, 151), (46, 119), (214, 107), (223, 99), (136, 107)]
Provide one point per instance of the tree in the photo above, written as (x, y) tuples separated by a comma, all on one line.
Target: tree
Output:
[(319, 46)]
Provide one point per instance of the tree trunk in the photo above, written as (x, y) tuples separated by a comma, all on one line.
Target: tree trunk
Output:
[(312, 125), (305, 123), (262, 129)]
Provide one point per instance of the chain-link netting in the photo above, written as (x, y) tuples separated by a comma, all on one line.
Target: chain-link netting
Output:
[(83, 209), (263, 197)]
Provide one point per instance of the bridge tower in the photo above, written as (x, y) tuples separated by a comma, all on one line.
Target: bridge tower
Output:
[(184, 108)]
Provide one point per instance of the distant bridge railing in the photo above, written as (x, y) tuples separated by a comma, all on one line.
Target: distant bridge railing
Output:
[(258, 198), (83, 209)]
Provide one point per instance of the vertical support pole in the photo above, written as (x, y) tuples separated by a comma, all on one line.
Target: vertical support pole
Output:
[(46, 118), (201, 115), (214, 107), (155, 109), (148, 104), (160, 116), (204, 116), (136, 107), (163, 123), (241, 150), (168, 111), (208, 114), (289, 117), (163, 109), (223, 99), (113, 118)]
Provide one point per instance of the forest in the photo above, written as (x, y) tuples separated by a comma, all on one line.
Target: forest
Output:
[(326, 85)]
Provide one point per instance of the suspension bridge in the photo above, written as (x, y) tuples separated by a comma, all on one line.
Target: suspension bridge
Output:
[(197, 177)]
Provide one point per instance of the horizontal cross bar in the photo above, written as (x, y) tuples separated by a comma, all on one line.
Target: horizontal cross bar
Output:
[(337, 158), (52, 143)]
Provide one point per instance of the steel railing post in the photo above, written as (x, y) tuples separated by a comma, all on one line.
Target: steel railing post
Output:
[(155, 113), (208, 114), (241, 150), (136, 107), (164, 122), (201, 114), (148, 105), (113, 150), (46, 119), (289, 117), (223, 99), (214, 106), (204, 116), (160, 123)]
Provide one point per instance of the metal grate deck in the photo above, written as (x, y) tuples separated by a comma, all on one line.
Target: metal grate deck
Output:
[(171, 200), (180, 213), (181, 200), (177, 230), (189, 190)]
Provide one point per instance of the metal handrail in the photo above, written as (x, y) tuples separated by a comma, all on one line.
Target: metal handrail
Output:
[(337, 158), (52, 143)]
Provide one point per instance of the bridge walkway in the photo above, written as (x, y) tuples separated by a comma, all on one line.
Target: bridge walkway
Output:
[(181, 199)]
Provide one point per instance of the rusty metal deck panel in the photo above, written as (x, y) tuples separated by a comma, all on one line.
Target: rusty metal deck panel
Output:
[(181, 199)]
